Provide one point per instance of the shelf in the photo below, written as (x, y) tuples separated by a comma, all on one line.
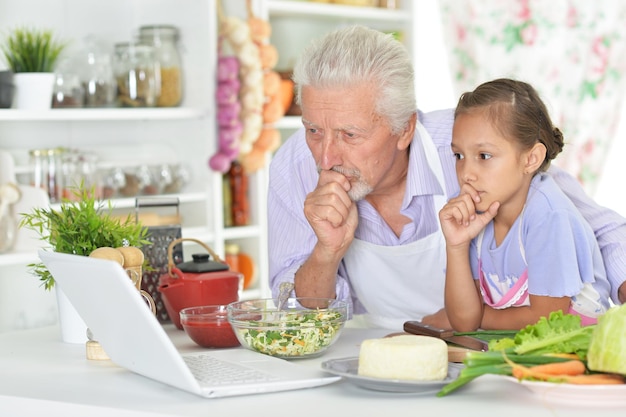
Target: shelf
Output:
[(121, 203), (18, 258), (177, 113), (285, 8), (252, 294), (25, 257), (289, 122), (241, 232)]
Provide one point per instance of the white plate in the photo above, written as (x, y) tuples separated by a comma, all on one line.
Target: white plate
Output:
[(572, 394), (348, 368)]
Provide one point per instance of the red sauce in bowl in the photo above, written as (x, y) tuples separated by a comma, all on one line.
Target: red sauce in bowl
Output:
[(218, 334)]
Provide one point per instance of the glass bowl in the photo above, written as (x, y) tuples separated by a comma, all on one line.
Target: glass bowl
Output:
[(208, 326), (294, 331)]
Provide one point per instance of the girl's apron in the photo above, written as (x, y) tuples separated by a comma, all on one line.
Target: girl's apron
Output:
[(400, 283), (518, 295)]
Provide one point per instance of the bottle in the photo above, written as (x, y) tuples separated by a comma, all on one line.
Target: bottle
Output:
[(38, 168), (136, 70), (232, 256), (164, 39), (53, 174), (238, 181), (8, 229), (9, 195)]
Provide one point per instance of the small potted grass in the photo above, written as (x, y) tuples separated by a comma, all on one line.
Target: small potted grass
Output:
[(32, 55)]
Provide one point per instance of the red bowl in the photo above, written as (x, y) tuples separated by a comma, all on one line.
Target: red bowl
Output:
[(208, 326)]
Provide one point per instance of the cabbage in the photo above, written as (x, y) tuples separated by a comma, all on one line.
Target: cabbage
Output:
[(607, 350)]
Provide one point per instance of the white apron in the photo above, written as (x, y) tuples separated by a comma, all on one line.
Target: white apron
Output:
[(400, 283)]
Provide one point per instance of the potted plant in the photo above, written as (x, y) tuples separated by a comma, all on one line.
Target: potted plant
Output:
[(79, 226), (32, 55)]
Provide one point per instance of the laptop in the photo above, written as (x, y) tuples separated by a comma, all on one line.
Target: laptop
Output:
[(132, 337)]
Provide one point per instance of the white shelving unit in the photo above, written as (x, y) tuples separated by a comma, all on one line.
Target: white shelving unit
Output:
[(188, 131)]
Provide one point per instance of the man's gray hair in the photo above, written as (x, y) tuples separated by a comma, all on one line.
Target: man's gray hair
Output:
[(354, 55)]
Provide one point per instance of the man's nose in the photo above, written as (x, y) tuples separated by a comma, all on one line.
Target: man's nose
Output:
[(330, 155)]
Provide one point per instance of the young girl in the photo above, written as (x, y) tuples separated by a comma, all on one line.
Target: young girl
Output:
[(516, 246)]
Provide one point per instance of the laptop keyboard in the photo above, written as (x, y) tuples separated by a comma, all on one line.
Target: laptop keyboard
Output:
[(209, 370)]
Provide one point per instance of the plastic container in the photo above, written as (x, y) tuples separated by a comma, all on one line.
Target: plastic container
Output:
[(164, 39)]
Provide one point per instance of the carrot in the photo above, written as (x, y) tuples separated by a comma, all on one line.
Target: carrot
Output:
[(595, 379), (573, 367), (571, 372)]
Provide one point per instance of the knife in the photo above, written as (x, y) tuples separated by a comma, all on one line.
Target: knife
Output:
[(419, 328)]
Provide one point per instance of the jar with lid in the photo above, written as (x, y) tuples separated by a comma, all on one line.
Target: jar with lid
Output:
[(79, 169), (164, 39), (136, 72), (68, 92), (96, 74), (45, 171)]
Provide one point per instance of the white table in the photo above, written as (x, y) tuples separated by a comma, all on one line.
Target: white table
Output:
[(41, 375)]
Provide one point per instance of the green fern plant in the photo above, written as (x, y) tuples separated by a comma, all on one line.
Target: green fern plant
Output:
[(78, 227), (32, 50)]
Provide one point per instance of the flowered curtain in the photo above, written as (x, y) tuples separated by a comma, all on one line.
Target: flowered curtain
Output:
[(572, 51)]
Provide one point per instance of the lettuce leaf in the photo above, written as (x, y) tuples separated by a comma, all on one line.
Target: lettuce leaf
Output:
[(557, 333), (607, 351)]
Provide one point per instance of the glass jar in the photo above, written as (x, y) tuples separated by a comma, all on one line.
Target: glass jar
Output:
[(136, 71), (231, 256), (68, 92), (38, 167), (8, 229), (97, 74), (79, 171), (164, 39), (53, 160), (45, 171)]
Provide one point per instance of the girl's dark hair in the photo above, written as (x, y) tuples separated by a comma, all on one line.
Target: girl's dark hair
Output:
[(516, 110)]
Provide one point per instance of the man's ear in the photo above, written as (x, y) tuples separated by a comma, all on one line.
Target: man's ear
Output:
[(535, 157), (406, 136)]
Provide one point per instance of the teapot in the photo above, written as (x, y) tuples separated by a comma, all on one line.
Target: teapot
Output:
[(198, 282)]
